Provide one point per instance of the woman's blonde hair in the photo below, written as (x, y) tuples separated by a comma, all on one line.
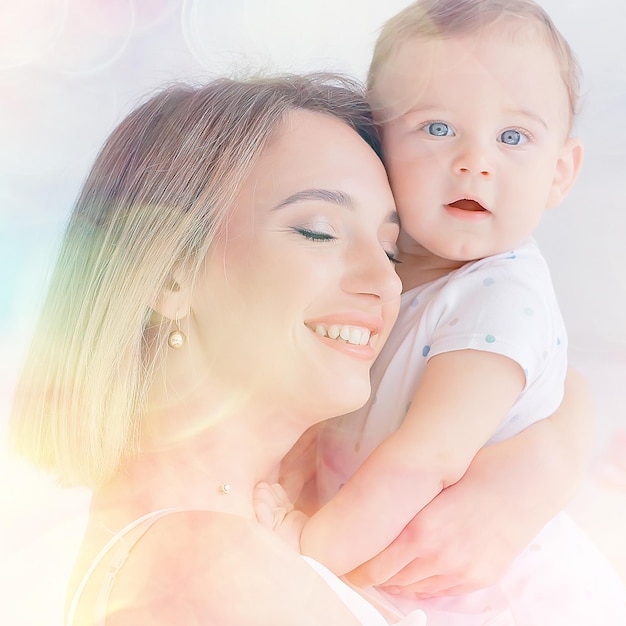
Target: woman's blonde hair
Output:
[(433, 19), (158, 193)]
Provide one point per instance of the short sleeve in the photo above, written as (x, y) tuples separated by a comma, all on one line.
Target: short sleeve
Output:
[(505, 305)]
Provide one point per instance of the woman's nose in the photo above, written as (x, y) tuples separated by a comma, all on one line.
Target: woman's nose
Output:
[(372, 272)]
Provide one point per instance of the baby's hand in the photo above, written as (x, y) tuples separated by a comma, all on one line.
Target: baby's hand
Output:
[(275, 511)]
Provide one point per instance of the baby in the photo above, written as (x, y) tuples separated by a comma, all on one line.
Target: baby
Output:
[(476, 101), (475, 114)]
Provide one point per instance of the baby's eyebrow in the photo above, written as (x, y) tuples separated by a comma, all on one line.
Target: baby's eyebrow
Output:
[(424, 107), (325, 195), (529, 114)]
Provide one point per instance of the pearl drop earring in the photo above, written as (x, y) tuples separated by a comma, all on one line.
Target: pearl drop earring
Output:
[(176, 339)]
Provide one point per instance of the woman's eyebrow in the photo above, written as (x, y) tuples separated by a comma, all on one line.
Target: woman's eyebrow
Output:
[(325, 195), (328, 195)]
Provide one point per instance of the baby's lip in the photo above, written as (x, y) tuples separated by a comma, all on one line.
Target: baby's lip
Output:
[(467, 204)]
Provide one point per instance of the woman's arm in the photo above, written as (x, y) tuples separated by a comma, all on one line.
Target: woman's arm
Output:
[(467, 536)]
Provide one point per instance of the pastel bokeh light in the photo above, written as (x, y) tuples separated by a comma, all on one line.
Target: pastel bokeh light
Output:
[(280, 34), (29, 30), (43, 122), (94, 35), (71, 69)]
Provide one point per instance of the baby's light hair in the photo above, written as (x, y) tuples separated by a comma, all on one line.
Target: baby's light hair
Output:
[(433, 19), (158, 194)]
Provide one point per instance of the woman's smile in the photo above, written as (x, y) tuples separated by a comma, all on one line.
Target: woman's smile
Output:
[(355, 334)]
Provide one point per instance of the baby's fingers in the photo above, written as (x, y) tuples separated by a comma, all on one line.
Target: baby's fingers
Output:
[(271, 504), (264, 504)]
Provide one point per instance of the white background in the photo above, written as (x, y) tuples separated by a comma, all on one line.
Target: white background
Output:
[(70, 70)]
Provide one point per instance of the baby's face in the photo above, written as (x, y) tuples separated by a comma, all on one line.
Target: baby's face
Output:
[(475, 135)]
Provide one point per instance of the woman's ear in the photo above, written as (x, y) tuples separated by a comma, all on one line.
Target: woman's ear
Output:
[(566, 171), (174, 299)]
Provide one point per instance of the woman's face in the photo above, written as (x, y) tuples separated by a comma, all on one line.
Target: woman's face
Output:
[(305, 256)]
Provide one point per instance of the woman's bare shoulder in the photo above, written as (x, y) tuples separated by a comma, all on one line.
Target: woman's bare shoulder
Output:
[(204, 567)]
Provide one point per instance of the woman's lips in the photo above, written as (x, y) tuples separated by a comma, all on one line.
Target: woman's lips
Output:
[(354, 334)]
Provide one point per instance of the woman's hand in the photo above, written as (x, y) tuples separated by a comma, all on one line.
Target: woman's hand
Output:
[(463, 540), (467, 536)]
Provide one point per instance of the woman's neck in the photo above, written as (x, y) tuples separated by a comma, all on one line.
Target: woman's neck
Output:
[(200, 433), (193, 463)]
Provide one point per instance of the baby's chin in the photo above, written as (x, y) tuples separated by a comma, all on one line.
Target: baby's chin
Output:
[(460, 248)]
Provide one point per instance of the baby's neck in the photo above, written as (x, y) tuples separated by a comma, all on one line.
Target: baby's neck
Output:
[(419, 266)]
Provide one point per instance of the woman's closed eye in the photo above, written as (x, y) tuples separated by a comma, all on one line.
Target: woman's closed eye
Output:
[(317, 235), (392, 255), (313, 234)]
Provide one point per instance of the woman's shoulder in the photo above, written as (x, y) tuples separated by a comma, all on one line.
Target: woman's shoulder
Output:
[(212, 567), (209, 543), (189, 561)]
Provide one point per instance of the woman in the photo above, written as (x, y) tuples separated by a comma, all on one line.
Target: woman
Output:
[(229, 259)]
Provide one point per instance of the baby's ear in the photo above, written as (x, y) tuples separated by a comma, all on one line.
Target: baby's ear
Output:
[(566, 171), (174, 298)]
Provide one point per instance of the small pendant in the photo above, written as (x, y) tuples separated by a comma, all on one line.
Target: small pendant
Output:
[(224, 488)]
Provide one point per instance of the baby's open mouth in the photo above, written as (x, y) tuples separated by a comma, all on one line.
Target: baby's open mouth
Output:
[(467, 205)]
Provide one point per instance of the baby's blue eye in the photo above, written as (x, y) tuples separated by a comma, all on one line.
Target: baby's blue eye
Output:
[(512, 137), (438, 129)]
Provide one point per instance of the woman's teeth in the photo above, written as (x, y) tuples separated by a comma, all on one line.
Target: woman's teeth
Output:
[(355, 335)]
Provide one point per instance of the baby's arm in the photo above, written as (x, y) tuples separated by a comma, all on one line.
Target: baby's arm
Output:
[(467, 536), (462, 398)]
